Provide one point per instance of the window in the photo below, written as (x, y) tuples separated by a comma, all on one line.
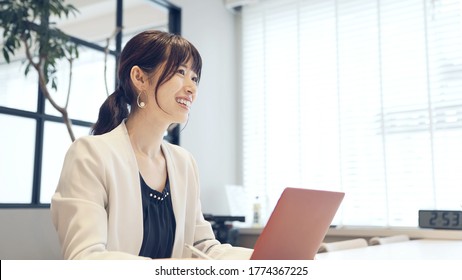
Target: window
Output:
[(358, 96), (34, 139)]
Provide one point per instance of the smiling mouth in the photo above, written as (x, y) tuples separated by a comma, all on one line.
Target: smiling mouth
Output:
[(185, 102)]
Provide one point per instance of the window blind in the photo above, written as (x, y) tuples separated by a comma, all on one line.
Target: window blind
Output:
[(358, 96)]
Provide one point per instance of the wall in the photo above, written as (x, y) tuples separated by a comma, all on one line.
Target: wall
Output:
[(27, 234), (210, 134)]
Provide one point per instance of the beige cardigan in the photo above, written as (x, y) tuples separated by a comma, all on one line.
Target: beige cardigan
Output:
[(97, 208)]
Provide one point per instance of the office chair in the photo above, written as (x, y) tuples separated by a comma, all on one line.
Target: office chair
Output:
[(342, 245), (389, 239)]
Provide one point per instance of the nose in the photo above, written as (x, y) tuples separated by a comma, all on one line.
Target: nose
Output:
[(191, 87)]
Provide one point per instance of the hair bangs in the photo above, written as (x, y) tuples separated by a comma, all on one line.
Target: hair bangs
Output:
[(180, 53)]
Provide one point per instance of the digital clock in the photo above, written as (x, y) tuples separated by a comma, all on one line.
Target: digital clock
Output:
[(440, 219)]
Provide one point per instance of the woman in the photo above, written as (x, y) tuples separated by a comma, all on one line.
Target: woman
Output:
[(124, 192)]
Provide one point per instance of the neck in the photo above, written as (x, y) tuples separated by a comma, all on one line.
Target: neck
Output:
[(146, 136)]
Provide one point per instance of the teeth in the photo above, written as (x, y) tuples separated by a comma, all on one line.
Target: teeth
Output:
[(184, 101)]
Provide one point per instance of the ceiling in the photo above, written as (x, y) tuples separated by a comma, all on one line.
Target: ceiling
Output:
[(96, 19)]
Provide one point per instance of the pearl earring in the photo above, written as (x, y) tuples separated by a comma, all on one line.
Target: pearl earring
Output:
[(140, 104)]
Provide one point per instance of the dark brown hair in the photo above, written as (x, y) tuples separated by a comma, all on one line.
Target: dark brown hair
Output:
[(148, 50)]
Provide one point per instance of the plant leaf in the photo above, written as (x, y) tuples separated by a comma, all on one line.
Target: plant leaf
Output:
[(6, 55)]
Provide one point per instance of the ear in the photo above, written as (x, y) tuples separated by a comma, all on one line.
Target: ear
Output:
[(138, 78)]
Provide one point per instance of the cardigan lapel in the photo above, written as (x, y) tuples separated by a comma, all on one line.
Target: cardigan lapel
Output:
[(176, 180)]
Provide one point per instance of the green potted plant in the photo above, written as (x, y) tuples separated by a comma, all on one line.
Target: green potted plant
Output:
[(26, 26)]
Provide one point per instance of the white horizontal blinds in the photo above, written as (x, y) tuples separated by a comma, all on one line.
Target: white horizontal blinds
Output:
[(253, 101), (282, 98), (361, 139), (270, 97), (319, 134), (445, 63), (319, 146), (406, 107), (379, 115)]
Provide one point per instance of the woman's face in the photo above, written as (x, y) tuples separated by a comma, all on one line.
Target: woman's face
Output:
[(175, 96)]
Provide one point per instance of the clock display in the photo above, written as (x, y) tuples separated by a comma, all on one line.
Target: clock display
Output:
[(440, 219)]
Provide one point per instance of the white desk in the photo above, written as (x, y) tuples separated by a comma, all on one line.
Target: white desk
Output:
[(422, 249)]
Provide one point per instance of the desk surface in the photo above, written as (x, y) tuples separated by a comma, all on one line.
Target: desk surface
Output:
[(422, 249)]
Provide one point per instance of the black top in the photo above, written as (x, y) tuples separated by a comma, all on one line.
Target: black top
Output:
[(158, 222)]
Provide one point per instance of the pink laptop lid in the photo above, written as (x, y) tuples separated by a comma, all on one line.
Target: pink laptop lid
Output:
[(297, 225)]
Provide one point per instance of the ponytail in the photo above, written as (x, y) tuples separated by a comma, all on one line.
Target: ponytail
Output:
[(113, 111)]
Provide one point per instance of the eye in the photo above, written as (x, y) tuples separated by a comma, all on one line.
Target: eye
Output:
[(181, 71), (195, 79)]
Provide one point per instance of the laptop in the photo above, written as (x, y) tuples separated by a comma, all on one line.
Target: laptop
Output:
[(297, 225)]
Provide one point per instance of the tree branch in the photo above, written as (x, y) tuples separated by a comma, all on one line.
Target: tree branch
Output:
[(70, 82), (39, 66), (106, 52)]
